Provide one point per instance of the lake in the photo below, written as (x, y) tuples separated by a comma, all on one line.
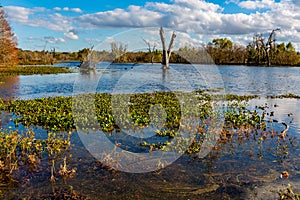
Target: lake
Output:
[(242, 80), (243, 168)]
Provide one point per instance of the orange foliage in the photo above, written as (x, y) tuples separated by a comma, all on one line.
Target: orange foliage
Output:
[(8, 43)]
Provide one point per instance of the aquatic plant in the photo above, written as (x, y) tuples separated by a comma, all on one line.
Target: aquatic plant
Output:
[(288, 194), (2, 105), (56, 114), (236, 115), (25, 151), (17, 150), (283, 96)]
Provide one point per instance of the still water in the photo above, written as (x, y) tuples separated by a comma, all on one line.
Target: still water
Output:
[(262, 81), (240, 169)]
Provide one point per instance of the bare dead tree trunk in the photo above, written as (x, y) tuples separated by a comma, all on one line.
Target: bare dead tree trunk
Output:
[(166, 52)]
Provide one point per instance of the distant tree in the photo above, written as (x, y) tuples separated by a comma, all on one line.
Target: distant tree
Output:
[(118, 51), (221, 50), (261, 51), (83, 53), (222, 43), (290, 47), (151, 50), (8, 44)]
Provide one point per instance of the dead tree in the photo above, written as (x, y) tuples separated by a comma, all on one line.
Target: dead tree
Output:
[(166, 52), (265, 50), (270, 46), (151, 50), (89, 62), (259, 44)]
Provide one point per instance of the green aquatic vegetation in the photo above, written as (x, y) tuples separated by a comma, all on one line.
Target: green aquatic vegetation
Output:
[(51, 113), (232, 97), (192, 113), (238, 120), (96, 110), (237, 115), (2, 105), (283, 96), (30, 70)]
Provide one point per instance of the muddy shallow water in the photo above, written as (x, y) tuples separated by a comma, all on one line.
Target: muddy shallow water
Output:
[(243, 168)]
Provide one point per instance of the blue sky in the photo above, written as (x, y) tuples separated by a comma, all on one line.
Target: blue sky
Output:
[(70, 25)]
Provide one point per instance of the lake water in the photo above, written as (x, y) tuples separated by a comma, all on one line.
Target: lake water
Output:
[(240, 169), (242, 80)]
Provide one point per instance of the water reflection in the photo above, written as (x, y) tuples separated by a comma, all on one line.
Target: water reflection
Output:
[(9, 87)]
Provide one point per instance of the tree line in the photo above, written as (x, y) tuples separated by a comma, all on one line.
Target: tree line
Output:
[(221, 51)]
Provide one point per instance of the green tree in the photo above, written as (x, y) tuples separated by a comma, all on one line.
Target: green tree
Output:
[(290, 47), (8, 44), (222, 43)]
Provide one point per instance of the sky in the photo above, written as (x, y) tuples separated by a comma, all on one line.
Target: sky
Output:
[(71, 25)]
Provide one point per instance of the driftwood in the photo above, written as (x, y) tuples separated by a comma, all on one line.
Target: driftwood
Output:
[(284, 132), (166, 52)]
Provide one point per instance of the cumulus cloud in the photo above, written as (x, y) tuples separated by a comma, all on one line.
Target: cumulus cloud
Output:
[(257, 4), (38, 17), (133, 16), (18, 14), (57, 9), (197, 17), (71, 35), (202, 17), (77, 10)]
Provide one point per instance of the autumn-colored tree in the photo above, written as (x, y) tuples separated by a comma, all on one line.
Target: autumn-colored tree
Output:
[(8, 44)]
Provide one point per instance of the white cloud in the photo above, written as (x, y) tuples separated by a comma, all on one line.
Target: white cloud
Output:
[(77, 10), (38, 17), (57, 9), (71, 35), (133, 16), (53, 40), (18, 14), (257, 4), (201, 17), (196, 17)]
